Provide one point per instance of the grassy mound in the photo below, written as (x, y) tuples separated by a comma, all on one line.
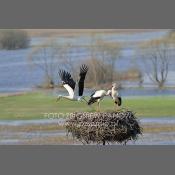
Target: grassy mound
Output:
[(103, 127)]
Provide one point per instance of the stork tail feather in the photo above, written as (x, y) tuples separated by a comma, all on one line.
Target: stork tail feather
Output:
[(92, 100), (118, 101)]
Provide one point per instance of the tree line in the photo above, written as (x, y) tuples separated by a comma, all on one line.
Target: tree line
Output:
[(11, 39), (102, 60)]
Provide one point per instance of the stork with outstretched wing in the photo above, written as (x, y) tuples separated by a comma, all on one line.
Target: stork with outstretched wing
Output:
[(75, 89)]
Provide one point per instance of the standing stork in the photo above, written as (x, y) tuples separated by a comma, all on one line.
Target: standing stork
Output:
[(115, 95), (71, 86), (98, 96)]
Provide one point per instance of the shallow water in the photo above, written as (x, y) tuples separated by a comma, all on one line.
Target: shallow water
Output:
[(158, 120), (162, 138), (162, 120), (125, 92), (31, 122)]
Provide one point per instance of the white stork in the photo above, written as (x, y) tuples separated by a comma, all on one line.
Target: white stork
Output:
[(115, 95), (75, 93), (98, 96)]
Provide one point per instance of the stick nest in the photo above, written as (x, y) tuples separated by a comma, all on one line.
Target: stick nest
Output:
[(119, 127)]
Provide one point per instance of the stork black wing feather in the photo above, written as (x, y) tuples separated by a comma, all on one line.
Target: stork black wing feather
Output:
[(92, 93), (67, 79), (83, 72)]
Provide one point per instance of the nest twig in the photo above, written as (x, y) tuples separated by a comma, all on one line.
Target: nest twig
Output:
[(119, 127)]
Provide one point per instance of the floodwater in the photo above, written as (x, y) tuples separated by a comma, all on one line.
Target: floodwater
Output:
[(21, 132), (18, 75), (124, 92)]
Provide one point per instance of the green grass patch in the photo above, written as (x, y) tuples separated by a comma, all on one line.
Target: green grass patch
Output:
[(35, 105)]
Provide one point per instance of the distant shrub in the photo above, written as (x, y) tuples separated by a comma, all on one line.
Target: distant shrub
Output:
[(100, 73), (132, 74), (13, 39)]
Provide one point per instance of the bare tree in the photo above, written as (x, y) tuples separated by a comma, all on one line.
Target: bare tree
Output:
[(102, 60), (109, 52), (156, 58), (49, 57), (11, 39), (98, 71)]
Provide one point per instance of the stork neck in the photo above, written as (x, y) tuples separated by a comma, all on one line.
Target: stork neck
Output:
[(114, 88)]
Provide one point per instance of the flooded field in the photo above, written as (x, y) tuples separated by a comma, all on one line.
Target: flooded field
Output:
[(17, 73), (156, 131)]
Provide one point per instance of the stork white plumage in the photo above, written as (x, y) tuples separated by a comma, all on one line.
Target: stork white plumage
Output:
[(75, 89), (115, 95), (98, 96)]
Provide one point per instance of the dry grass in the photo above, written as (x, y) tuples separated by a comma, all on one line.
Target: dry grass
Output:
[(152, 128), (29, 128), (72, 32), (61, 140)]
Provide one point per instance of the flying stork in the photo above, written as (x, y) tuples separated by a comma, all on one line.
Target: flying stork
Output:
[(75, 89), (115, 95), (98, 96)]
